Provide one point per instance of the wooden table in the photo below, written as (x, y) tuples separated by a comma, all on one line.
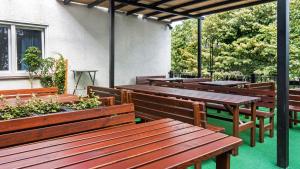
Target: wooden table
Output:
[(159, 144), (231, 102), (228, 83), (64, 99), (153, 80)]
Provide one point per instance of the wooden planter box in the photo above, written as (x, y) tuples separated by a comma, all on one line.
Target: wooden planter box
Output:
[(25, 130)]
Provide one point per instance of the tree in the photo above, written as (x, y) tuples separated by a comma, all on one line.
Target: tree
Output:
[(247, 38), (33, 60)]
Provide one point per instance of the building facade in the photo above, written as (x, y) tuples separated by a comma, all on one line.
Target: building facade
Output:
[(80, 35)]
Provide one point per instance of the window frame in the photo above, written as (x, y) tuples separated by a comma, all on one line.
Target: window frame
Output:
[(9, 49), (12, 45)]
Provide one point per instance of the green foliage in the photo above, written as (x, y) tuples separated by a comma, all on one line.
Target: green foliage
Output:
[(53, 72), (33, 60), (86, 103), (46, 73), (247, 42), (60, 74), (33, 107), (36, 106)]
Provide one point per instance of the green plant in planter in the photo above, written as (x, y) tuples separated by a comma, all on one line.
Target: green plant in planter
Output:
[(53, 73), (33, 60), (34, 106), (60, 74), (47, 71), (86, 103)]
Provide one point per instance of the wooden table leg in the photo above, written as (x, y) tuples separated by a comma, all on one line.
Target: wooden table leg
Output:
[(223, 161), (253, 129), (236, 124), (198, 165)]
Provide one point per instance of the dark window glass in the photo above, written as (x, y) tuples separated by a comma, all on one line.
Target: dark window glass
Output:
[(25, 39), (3, 48)]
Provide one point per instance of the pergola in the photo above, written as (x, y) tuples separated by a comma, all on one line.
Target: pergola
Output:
[(168, 11)]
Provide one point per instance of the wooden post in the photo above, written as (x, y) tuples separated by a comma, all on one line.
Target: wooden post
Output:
[(283, 83), (66, 76)]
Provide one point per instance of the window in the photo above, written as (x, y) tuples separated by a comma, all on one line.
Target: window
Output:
[(4, 65), (25, 39), (14, 40)]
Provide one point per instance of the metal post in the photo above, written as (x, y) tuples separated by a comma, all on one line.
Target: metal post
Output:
[(199, 58), (111, 43), (282, 83)]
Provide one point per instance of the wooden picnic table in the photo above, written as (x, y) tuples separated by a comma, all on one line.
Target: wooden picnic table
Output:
[(231, 102), (63, 98), (159, 144), (227, 83), (153, 80)]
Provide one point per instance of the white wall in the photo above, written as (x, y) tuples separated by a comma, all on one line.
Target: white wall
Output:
[(81, 35)]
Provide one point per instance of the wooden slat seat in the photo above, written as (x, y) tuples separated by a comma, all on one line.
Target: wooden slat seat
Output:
[(29, 92), (261, 86), (244, 111), (196, 80), (118, 94), (267, 101), (143, 80), (152, 107), (27, 130), (294, 106)]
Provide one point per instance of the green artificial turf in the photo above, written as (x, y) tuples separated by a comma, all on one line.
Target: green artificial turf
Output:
[(263, 155)]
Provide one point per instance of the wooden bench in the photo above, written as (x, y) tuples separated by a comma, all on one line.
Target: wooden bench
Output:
[(261, 86), (151, 107), (29, 92), (27, 130), (169, 84), (196, 80), (143, 80), (294, 106), (117, 94), (267, 101)]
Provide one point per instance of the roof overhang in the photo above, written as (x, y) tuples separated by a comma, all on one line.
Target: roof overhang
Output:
[(171, 10)]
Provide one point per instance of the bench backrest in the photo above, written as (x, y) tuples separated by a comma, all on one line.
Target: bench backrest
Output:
[(143, 80), (26, 130), (168, 84), (118, 94), (29, 92), (196, 80), (261, 86), (294, 98), (267, 96), (167, 107)]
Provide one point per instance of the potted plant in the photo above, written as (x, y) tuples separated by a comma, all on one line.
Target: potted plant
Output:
[(33, 60)]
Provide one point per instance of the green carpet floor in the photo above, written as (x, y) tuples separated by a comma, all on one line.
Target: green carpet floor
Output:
[(263, 155)]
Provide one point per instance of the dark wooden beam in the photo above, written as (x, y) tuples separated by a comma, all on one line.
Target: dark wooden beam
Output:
[(66, 2), (233, 7), (166, 17), (178, 19), (199, 54), (202, 8), (95, 3), (120, 6), (111, 43), (212, 6), (282, 83), (141, 5), (155, 4), (176, 7)]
